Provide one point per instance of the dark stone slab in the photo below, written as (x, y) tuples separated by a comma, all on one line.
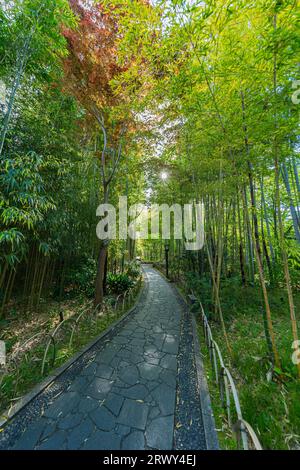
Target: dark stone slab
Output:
[(122, 430), (104, 371), (54, 442), (88, 404), (168, 377), (134, 441), (154, 412), (90, 369), (129, 374), (114, 403), (137, 392), (151, 360), (103, 441), (99, 388), (170, 345), (150, 349), (121, 340), (49, 429), (103, 419), (30, 438), (79, 384), (80, 434), (70, 421), (137, 342), (122, 392), (149, 371), (165, 399), (169, 362), (63, 405)]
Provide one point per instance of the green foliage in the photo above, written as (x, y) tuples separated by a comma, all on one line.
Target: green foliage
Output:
[(23, 202), (34, 34), (133, 270), (293, 251)]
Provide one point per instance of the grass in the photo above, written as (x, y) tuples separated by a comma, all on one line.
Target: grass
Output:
[(27, 372), (272, 407)]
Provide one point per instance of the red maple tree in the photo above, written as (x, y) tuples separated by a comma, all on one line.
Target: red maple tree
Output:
[(89, 69)]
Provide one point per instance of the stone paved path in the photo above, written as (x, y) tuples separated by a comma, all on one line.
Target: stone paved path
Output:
[(125, 397)]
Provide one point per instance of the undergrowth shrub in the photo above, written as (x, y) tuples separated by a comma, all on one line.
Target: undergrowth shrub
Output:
[(81, 279), (132, 269)]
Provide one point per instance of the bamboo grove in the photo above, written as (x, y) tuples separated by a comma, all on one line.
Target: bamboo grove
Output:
[(101, 97)]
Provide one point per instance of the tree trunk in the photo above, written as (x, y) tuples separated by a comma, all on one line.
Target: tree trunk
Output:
[(263, 201), (241, 250), (249, 245), (296, 175)]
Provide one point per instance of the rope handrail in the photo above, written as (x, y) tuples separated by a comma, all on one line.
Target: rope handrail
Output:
[(224, 380)]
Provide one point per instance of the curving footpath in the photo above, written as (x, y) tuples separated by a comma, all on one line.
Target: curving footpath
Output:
[(135, 388)]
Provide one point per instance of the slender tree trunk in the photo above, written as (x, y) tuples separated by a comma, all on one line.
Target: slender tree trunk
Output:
[(249, 238), (241, 251), (275, 220), (263, 201), (234, 238), (295, 168), (6, 292), (3, 273), (102, 261), (42, 277), (218, 301), (264, 244), (251, 183), (267, 317), (99, 284), (277, 198), (32, 290), (219, 254)]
